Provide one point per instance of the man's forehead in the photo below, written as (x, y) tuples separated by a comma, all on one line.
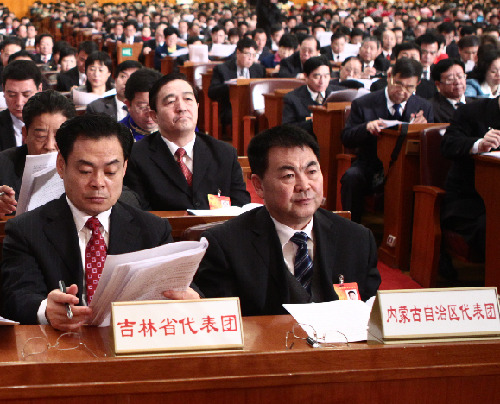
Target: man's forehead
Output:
[(295, 155), (22, 85)]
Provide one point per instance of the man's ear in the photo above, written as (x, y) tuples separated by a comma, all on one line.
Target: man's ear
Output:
[(24, 132), (257, 184), (127, 103), (60, 164)]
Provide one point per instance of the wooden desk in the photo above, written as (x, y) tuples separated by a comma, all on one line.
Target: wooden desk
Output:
[(181, 220), (328, 122), (263, 372), (167, 65), (398, 193), (487, 185), (274, 106)]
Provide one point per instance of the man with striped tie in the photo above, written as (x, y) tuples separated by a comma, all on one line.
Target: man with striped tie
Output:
[(290, 250)]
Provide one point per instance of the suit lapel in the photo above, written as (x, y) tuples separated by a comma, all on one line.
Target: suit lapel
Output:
[(122, 231), (163, 158), (202, 161), (8, 135), (61, 232), (268, 255), (325, 240)]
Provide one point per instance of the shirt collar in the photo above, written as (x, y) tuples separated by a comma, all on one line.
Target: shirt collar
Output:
[(81, 218), (188, 147), (18, 124), (285, 232), (315, 95), (455, 102), (390, 104)]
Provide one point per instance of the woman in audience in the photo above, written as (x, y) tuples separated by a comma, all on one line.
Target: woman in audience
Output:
[(99, 83), (484, 81), (67, 58)]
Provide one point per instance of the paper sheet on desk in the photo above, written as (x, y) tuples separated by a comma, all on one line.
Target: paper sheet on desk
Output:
[(41, 182), (229, 211), (144, 275), (492, 154), (4, 321), (350, 317)]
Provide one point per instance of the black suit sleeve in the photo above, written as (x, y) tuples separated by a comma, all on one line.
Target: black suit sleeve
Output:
[(286, 69), (218, 89), (134, 180), (355, 131)]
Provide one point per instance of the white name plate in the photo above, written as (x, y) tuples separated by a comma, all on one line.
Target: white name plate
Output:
[(435, 315), (173, 325)]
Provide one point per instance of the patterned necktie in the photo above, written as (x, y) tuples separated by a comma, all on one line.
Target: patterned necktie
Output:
[(95, 255), (397, 112), (179, 154), (320, 99), (303, 266)]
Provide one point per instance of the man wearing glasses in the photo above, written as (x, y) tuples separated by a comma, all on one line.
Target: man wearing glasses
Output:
[(139, 119), (449, 76), (395, 102), (292, 66), (243, 66)]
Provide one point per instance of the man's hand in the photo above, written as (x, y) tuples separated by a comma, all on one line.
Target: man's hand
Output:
[(490, 141), (146, 50), (7, 200), (418, 117), (374, 127), (368, 72), (188, 294), (56, 310)]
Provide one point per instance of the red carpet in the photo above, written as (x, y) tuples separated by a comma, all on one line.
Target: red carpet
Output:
[(395, 279)]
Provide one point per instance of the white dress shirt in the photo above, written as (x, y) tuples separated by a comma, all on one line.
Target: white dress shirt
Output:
[(84, 234), (18, 129), (121, 113), (188, 157), (289, 248), (390, 104)]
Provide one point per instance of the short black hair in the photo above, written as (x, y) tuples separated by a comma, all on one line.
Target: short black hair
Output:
[(357, 32), (130, 22), (217, 28), (88, 47), (446, 27), (287, 136), (40, 37), (92, 126), (127, 64), (163, 81), (407, 68), (313, 63), (22, 70), (22, 53), (427, 39), (309, 38), (246, 43), (67, 51), (141, 81), (405, 46), (468, 41), (103, 59), (442, 66), (288, 41), (170, 31), (11, 40), (337, 35), (47, 102)]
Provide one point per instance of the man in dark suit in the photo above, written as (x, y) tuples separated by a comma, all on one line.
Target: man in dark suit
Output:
[(49, 244), (372, 58), (21, 79), (114, 105), (365, 123), (474, 128), (260, 38), (292, 66), (243, 66), (255, 256), (45, 43), (335, 51), (76, 76), (176, 168), (449, 76), (43, 114), (296, 103)]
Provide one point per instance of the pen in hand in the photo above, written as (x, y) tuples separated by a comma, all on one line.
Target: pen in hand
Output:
[(62, 288)]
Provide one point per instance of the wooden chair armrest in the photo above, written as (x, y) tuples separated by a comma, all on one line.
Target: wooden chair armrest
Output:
[(249, 123), (215, 130), (344, 161)]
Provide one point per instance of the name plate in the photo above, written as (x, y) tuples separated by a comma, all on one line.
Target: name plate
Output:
[(173, 325), (426, 315)]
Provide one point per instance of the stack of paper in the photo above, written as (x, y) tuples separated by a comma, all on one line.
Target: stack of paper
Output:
[(41, 182), (145, 275), (228, 211)]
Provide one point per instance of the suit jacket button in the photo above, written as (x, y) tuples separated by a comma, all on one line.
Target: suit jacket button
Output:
[(196, 204)]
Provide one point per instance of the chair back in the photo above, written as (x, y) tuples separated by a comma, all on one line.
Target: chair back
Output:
[(194, 233), (261, 87), (433, 166), (128, 52)]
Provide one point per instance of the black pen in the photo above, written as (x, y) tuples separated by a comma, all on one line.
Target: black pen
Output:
[(62, 288)]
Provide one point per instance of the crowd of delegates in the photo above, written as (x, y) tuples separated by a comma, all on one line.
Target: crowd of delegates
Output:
[(423, 63)]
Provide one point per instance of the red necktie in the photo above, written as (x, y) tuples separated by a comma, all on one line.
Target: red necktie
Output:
[(95, 255), (179, 154)]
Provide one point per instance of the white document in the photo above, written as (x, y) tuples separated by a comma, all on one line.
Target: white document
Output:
[(492, 154), (146, 274), (198, 53), (4, 321), (84, 98), (324, 38), (3, 104), (180, 52), (41, 182), (329, 319), (222, 50), (229, 211), (351, 50)]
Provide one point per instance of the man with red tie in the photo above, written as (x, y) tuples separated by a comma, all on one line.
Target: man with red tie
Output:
[(177, 168), (69, 238)]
